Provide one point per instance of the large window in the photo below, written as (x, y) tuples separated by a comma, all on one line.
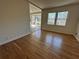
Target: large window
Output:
[(51, 18), (61, 19), (58, 18)]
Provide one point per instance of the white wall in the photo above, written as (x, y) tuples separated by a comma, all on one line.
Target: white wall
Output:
[(71, 25), (78, 29), (77, 36), (14, 19)]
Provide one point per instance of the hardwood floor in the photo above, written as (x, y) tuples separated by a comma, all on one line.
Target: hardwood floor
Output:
[(41, 45)]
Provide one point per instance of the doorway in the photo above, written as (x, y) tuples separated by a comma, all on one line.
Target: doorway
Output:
[(35, 16)]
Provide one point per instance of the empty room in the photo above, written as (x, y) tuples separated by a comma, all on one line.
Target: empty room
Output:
[(39, 29)]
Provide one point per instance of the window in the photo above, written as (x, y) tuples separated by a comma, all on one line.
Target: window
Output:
[(61, 19), (58, 18), (51, 18)]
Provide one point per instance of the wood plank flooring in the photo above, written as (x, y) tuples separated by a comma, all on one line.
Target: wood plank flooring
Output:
[(41, 45)]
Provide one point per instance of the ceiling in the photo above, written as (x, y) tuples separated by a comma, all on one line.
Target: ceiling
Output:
[(34, 9), (52, 3)]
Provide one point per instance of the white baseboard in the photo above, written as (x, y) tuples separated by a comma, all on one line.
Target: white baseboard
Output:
[(57, 31), (9, 40), (76, 38)]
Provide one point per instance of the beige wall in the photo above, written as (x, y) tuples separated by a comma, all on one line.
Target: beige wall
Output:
[(71, 25), (14, 19)]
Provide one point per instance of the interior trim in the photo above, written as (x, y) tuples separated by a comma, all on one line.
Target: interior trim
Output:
[(34, 4), (7, 41), (57, 32), (76, 38)]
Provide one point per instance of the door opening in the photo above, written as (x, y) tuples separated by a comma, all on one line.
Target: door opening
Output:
[(35, 16)]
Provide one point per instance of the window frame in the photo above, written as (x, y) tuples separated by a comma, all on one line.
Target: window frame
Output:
[(66, 18), (48, 18), (57, 17)]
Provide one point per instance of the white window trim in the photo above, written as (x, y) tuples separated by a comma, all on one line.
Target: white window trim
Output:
[(56, 19)]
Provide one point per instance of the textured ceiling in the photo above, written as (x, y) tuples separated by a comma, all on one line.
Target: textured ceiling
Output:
[(52, 3)]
